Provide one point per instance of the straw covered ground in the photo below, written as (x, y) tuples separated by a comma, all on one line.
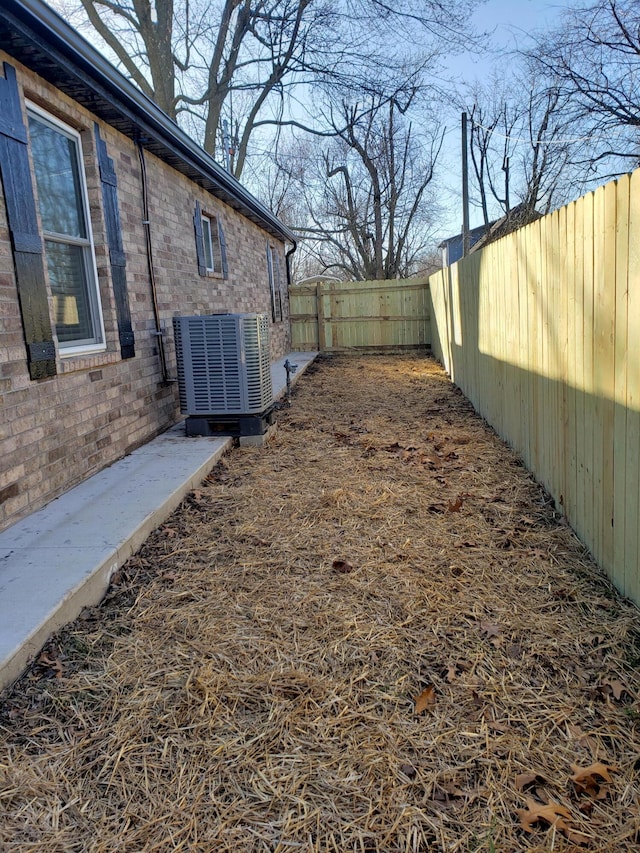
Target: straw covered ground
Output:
[(374, 634)]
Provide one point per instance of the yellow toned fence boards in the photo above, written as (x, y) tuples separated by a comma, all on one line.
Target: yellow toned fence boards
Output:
[(599, 370), (632, 485), (360, 315), (591, 525), (605, 317), (620, 380), (304, 318), (541, 330), (569, 376), (579, 260)]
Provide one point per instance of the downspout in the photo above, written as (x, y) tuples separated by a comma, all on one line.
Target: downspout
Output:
[(288, 271), (286, 263), (159, 334)]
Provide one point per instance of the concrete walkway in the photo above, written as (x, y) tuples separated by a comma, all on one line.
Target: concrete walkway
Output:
[(60, 559)]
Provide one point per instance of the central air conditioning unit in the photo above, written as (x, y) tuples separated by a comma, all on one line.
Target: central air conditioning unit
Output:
[(224, 373)]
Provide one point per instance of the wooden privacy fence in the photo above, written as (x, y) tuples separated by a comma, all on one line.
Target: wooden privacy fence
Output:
[(365, 315), (541, 331)]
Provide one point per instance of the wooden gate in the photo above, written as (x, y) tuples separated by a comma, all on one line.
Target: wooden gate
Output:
[(363, 315)]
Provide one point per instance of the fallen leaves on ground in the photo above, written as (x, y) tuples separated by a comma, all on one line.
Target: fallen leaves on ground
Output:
[(550, 813), (588, 780), (426, 700)]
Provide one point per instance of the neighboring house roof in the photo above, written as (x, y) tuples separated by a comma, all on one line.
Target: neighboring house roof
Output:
[(39, 38), (453, 245), (518, 217)]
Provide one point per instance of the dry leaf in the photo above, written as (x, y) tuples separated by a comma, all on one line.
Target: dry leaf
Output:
[(409, 770), (54, 663), (552, 813), (453, 790), (617, 688), (489, 630), (116, 578), (169, 576), (456, 505), (426, 700), (577, 837), (342, 566), (446, 791), (596, 769), (586, 779), (525, 779), (582, 738)]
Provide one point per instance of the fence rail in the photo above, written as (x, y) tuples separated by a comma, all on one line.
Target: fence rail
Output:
[(541, 331), (365, 315)]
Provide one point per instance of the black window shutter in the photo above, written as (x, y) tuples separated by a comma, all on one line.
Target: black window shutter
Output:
[(28, 256), (197, 224), (116, 252), (223, 251)]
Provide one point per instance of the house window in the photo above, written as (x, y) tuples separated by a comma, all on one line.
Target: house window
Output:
[(68, 244), (211, 246), (209, 228)]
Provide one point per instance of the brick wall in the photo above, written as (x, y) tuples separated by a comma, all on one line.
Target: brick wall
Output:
[(56, 432)]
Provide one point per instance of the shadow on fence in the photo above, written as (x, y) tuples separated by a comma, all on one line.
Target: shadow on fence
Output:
[(541, 331)]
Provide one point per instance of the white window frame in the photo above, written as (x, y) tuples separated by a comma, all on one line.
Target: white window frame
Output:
[(67, 350), (207, 240), (211, 242)]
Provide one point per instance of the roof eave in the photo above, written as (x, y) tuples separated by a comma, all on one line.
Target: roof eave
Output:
[(39, 38)]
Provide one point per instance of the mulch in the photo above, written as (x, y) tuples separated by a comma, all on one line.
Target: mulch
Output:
[(376, 633)]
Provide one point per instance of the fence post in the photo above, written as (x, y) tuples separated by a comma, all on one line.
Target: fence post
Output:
[(322, 338)]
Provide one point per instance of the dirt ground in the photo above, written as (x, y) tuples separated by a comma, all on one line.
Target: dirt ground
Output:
[(374, 634)]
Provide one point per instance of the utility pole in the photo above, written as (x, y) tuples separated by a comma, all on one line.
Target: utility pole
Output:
[(505, 169), (226, 145), (465, 189)]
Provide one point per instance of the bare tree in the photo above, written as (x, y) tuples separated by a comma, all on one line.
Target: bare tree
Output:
[(256, 63), (595, 57), (522, 142), (369, 211)]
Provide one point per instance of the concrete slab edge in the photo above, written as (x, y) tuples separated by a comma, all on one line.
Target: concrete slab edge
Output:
[(92, 588)]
